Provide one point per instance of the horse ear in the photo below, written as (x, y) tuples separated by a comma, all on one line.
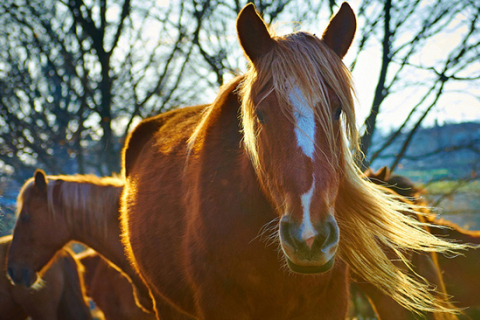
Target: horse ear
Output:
[(253, 33), (40, 179), (368, 173), (340, 31), (383, 173)]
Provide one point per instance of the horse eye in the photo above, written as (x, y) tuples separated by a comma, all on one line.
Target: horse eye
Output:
[(338, 113), (260, 117)]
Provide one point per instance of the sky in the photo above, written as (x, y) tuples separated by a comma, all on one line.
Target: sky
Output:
[(461, 103)]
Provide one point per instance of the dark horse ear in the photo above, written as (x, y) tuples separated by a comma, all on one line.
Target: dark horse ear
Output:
[(368, 173), (383, 174), (253, 33), (40, 179), (340, 31)]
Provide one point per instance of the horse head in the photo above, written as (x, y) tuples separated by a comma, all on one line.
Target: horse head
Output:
[(294, 96), (37, 235)]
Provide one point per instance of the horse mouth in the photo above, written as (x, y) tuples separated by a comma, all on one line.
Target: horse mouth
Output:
[(310, 269)]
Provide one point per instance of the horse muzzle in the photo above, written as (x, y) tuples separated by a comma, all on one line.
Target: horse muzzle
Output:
[(22, 276), (314, 255)]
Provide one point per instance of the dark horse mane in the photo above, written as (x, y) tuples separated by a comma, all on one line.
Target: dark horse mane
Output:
[(397, 183)]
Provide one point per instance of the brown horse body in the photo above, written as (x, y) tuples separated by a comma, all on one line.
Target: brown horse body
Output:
[(59, 296), (109, 289), (54, 210), (202, 255), (460, 273)]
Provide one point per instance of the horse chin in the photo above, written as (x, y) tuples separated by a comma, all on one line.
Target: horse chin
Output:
[(310, 269)]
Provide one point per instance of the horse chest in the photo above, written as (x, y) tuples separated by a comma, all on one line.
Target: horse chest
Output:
[(262, 289), (302, 298)]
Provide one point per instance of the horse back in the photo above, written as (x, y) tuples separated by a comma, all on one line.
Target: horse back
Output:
[(144, 132)]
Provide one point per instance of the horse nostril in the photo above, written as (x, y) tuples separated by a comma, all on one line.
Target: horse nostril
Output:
[(310, 241), (292, 234)]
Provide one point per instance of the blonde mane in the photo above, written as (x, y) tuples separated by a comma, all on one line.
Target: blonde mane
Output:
[(90, 197)]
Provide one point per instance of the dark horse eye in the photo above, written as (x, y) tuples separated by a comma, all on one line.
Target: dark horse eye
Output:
[(338, 113), (260, 117)]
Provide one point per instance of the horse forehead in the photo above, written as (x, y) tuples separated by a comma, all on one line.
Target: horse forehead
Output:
[(304, 121)]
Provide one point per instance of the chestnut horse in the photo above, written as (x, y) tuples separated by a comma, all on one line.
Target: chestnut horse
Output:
[(424, 264), (459, 274), (109, 289), (60, 295), (54, 210), (271, 154)]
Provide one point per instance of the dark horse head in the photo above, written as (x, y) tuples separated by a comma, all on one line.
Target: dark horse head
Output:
[(38, 235)]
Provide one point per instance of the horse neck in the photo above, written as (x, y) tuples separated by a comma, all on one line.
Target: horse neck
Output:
[(222, 141), (4, 245), (98, 228), (107, 243)]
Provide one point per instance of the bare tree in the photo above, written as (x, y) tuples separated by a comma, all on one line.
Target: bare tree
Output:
[(73, 72), (403, 29)]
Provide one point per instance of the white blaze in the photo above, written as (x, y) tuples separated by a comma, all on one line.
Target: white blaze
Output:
[(306, 228), (305, 122), (305, 133)]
